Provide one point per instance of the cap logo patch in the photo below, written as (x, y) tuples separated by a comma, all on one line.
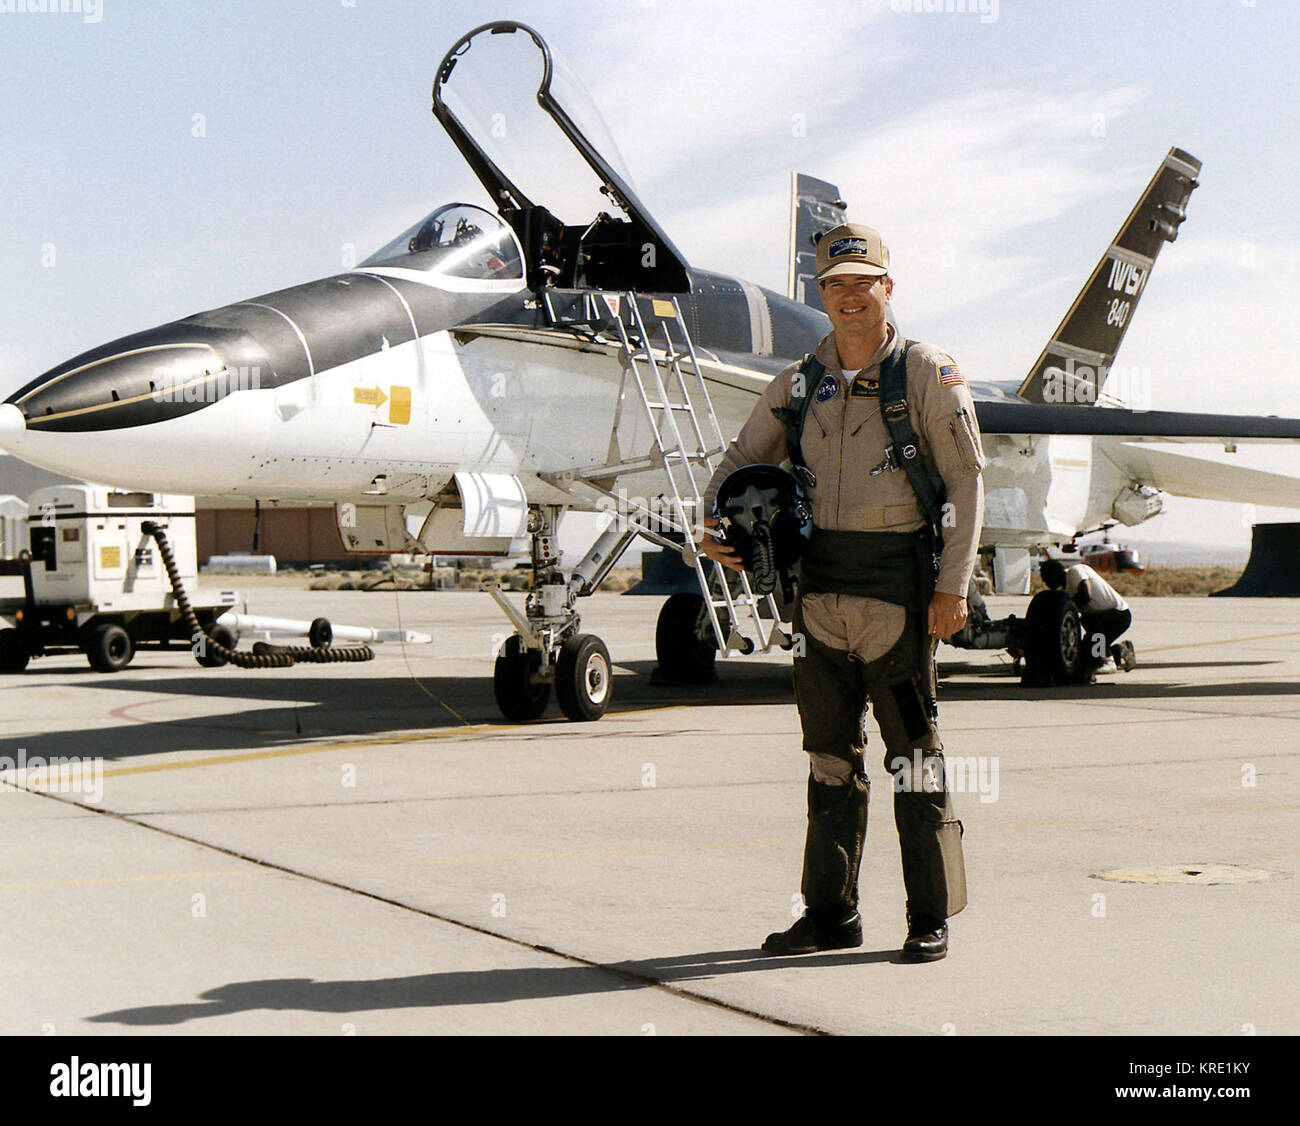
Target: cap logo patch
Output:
[(847, 246)]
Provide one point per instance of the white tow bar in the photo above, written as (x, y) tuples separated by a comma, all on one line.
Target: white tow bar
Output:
[(319, 631)]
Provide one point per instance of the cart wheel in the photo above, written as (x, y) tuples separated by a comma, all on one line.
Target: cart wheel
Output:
[(583, 678), (14, 653), (109, 648), (222, 635), (518, 696), (321, 633)]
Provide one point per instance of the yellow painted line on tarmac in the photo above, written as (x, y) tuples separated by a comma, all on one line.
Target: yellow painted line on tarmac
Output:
[(388, 740), (285, 752), (1225, 641)]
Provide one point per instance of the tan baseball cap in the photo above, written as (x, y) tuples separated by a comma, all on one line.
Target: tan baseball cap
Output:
[(851, 248)]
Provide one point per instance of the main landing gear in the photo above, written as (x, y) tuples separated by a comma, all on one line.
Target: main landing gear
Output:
[(684, 642), (547, 650)]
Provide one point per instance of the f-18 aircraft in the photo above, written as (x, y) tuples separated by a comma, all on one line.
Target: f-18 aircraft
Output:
[(489, 370)]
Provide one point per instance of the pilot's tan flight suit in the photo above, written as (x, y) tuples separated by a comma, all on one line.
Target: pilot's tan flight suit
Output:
[(858, 648)]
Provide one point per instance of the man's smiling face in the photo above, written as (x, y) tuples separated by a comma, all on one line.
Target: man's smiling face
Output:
[(856, 303)]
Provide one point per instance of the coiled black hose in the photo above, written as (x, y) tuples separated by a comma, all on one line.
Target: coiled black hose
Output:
[(764, 552), (263, 656)]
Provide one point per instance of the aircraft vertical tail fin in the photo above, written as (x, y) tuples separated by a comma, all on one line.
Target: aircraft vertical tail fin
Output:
[(1073, 366), (815, 207)]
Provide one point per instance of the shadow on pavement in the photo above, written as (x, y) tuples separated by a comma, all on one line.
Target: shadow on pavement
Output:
[(295, 710), (472, 987)]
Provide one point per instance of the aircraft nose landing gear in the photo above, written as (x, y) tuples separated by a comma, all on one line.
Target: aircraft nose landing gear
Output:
[(522, 692), (583, 677), (547, 650)]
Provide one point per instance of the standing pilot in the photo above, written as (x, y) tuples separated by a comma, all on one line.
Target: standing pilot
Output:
[(882, 432)]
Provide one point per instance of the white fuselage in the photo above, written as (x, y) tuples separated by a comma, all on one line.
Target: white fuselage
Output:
[(394, 426)]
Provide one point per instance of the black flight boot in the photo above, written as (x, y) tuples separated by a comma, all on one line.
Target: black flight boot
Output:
[(837, 825), (927, 939), (839, 928)]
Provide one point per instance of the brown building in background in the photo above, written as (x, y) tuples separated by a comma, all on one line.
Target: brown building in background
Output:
[(296, 534)]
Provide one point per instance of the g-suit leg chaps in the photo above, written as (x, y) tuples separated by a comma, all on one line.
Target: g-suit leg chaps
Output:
[(832, 689)]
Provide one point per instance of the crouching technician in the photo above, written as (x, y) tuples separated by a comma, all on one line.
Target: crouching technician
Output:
[(881, 432)]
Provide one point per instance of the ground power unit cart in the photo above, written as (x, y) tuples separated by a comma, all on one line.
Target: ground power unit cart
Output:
[(93, 581)]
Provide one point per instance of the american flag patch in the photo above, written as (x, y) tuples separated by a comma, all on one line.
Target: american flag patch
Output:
[(950, 374)]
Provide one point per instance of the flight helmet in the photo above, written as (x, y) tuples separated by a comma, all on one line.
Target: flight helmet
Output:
[(766, 518)]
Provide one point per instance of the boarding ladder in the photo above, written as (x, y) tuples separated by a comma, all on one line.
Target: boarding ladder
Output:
[(686, 445)]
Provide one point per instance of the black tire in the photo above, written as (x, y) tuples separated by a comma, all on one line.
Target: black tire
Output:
[(584, 678), (222, 635), (684, 656), (1054, 648), (520, 699), (109, 648), (320, 633), (14, 653)]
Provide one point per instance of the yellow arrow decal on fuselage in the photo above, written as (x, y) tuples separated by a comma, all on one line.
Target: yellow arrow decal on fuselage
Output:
[(369, 396)]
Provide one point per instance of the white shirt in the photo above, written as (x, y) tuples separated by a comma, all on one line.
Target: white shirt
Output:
[(1101, 595)]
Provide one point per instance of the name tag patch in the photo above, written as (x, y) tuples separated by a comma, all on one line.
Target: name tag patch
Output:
[(864, 388), (827, 389), (950, 374)]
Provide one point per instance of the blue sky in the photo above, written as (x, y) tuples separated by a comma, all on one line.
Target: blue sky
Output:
[(999, 156)]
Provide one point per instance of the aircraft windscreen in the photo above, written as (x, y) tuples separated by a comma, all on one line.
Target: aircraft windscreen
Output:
[(459, 241), (493, 92)]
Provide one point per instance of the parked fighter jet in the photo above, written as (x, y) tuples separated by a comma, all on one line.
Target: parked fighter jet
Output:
[(490, 371)]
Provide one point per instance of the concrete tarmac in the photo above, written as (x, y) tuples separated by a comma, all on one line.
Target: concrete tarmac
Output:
[(368, 848)]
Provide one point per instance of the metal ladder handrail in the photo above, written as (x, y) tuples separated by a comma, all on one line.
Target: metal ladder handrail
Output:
[(674, 454)]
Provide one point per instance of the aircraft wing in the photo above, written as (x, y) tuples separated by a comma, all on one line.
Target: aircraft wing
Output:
[(1142, 445), (1006, 416), (1138, 443), (1205, 478)]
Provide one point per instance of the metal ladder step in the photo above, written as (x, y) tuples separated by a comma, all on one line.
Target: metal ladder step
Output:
[(678, 361)]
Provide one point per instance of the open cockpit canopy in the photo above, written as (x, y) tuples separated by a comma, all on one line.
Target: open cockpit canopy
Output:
[(536, 141)]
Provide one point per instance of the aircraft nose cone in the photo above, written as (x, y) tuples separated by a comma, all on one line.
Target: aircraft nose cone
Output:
[(12, 424), (150, 377)]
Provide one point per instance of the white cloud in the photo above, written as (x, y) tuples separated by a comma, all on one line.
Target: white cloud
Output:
[(953, 185), (711, 77)]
